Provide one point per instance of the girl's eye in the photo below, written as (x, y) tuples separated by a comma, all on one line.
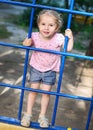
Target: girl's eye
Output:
[(51, 25), (43, 23)]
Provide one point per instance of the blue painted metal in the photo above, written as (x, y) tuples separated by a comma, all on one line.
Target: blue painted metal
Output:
[(89, 115), (47, 51), (23, 85), (32, 125), (26, 64), (51, 93), (63, 54), (46, 7), (61, 68)]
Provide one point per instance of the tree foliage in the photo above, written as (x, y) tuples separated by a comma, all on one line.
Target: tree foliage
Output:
[(84, 5)]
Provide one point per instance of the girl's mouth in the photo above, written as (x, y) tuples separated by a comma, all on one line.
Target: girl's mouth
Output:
[(46, 33)]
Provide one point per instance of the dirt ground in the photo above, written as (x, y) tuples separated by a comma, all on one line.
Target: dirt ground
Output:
[(77, 80)]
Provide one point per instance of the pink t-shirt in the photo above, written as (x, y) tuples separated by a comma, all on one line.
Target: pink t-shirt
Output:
[(46, 61)]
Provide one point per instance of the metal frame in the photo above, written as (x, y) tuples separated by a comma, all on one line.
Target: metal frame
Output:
[(57, 94)]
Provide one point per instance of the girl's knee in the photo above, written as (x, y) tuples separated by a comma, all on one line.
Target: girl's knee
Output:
[(32, 94), (45, 95)]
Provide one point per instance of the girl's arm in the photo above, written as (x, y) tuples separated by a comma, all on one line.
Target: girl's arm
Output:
[(27, 42), (69, 33)]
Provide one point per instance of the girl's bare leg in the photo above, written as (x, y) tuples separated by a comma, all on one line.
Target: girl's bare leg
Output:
[(45, 100), (30, 103), (31, 98)]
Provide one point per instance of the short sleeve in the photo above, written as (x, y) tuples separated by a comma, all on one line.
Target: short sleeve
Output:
[(60, 39), (34, 37)]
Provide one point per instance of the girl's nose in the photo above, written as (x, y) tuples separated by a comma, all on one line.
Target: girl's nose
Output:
[(46, 27)]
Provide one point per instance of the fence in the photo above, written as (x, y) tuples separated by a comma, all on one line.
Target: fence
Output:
[(57, 94)]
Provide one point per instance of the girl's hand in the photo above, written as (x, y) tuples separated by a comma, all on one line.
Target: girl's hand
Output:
[(68, 33), (27, 42)]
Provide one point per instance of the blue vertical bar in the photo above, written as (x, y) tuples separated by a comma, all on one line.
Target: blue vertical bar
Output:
[(26, 63), (89, 115), (31, 20), (62, 67)]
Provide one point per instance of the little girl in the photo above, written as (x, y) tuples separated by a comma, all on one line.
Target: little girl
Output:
[(45, 65)]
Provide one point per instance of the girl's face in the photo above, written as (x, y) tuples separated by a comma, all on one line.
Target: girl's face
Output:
[(47, 26)]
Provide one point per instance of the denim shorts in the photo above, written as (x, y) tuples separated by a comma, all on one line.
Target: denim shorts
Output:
[(48, 77)]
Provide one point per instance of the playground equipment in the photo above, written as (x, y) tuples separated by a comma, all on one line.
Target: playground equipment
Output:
[(57, 94)]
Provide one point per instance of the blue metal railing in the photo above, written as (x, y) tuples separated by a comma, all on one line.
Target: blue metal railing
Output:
[(62, 66), (57, 94), (26, 62)]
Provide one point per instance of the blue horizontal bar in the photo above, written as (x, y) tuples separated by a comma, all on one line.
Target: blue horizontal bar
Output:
[(46, 92), (46, 7), (9, 120), (47, 51), (14, 121)]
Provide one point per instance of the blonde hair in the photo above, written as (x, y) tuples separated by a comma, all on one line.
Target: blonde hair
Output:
[(53, 13)]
